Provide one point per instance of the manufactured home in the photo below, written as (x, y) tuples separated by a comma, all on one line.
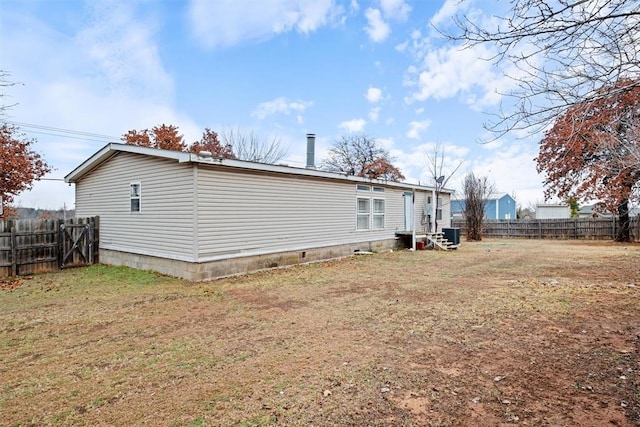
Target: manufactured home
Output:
[(200, 217)]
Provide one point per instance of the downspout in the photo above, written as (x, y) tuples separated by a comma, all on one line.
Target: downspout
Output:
[(434, 209), (413, 220), (195, 249)]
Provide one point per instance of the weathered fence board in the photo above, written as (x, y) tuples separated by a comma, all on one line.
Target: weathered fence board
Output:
[(38, 246), (570, 228)]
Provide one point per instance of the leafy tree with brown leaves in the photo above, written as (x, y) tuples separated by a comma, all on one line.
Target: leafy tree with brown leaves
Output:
[(20, 166), (381, 168), (211, 143), (165, 137), (593, 151), (361, 155), (140, 138)]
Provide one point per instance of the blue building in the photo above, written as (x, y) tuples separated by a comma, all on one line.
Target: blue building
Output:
[(496, 206)]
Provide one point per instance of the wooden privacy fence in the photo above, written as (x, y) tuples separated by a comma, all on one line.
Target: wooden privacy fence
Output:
[(30, 246), (570, 228)]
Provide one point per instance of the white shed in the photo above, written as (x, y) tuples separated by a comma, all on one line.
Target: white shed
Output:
[(553, 211), (201, 217)]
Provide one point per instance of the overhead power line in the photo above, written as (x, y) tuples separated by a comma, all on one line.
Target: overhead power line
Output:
[(69, 133)]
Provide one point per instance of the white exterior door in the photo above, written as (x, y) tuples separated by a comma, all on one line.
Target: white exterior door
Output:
[(408, 211)]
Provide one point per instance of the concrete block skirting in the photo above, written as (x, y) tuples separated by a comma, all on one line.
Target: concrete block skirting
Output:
[(233, 266)]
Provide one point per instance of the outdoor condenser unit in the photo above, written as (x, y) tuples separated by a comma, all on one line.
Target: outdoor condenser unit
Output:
[(452, 235)]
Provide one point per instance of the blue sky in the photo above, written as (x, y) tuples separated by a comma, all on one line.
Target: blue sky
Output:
[(278, 68)]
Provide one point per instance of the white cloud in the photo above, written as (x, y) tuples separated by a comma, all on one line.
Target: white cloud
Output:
[(386, 143), (467, 72), (499, 168), (413, 163), (373, 95), (123, 52), (449, 9), (377, 29), (352, 126), (374, 113), (395, 9), (415, 128), (280, 105), (224, 23), (451, 71), (402, 47)]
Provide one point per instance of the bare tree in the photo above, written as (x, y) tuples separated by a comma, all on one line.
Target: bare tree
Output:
[(476, 192), (361, 155), (4, 83), (247, 146), (565, 51), (436, 167)]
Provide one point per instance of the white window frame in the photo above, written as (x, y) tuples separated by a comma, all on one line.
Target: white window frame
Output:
[(372, 216), (362, 214), (376, 214), (133, 197)]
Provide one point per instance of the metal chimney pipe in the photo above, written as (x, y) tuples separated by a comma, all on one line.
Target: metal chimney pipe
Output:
[(311, 150)]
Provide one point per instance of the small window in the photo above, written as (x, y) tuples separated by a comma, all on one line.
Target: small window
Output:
[(134, 195), (363, 214), (378, 214), (361, 187), (378, 189)]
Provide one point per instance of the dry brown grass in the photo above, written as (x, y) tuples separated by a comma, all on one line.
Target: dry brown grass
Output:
[(499, 332)]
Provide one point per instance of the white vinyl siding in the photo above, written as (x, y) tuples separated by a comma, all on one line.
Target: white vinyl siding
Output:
[(247, 213), (423, 206), (163, 227)]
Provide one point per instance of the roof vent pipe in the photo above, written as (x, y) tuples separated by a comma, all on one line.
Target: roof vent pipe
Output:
[(311, 150)]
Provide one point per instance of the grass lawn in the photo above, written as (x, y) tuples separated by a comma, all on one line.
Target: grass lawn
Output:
[(499, 332)]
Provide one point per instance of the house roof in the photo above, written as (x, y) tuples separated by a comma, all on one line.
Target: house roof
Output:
[(112, 149), (590, 209), (551, 205)]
